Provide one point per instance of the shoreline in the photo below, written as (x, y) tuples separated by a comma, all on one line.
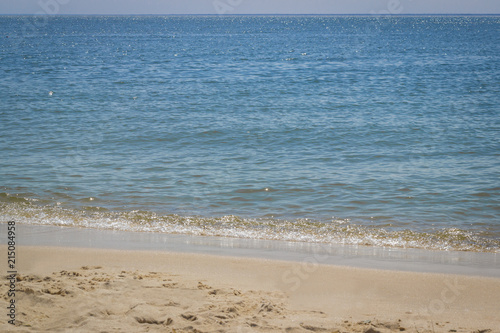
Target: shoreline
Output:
[(372, 257), (231, 287)]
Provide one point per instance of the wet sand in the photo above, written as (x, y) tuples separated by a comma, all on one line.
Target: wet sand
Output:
[(65, 289)]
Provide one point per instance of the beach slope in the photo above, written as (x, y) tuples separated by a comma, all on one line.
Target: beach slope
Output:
[(91, 290)]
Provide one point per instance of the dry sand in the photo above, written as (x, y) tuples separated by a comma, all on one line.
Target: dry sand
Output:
[(90, 290)]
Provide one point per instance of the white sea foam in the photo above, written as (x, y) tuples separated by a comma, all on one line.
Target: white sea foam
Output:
[(301, 230)]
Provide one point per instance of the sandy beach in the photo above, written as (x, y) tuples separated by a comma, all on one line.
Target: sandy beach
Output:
[(238, 166), (62, 289)]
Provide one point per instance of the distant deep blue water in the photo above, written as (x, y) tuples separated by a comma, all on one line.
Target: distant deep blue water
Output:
[(359, 130)]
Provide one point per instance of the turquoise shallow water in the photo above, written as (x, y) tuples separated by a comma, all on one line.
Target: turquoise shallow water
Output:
[(359, 130)]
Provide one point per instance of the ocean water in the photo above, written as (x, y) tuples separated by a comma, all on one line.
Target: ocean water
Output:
[(371, 130)]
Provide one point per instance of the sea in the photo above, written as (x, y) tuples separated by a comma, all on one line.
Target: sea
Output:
[(359, 130)]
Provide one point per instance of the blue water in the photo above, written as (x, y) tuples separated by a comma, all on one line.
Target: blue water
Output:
[(361, 130)]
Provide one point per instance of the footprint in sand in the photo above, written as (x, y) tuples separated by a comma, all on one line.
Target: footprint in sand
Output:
[(189, 317)]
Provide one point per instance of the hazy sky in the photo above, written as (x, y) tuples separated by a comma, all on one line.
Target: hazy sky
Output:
[(249, 6)]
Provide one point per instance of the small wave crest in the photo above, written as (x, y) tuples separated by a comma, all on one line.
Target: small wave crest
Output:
[(300, 230)]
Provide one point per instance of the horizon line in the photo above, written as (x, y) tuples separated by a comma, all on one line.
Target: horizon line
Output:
[(257, 14)]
